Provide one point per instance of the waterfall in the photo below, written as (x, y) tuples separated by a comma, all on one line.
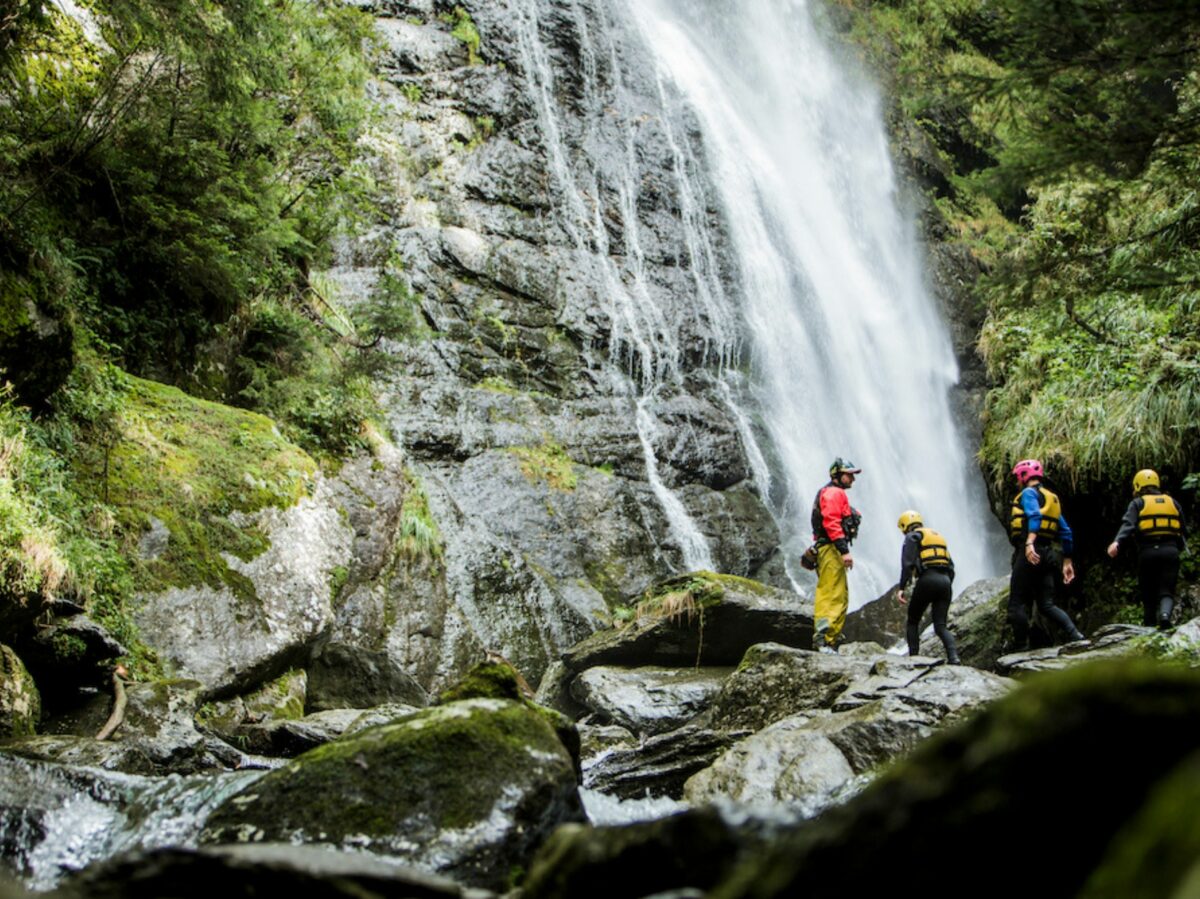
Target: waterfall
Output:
[(644, 351), (848, 356), (806, 285)]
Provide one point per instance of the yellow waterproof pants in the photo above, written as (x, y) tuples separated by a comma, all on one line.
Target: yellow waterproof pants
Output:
[(833, 596)]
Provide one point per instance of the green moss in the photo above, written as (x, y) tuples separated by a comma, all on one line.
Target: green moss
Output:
[(441, 768), (337, 580), (487, 680), (68, 648), (497, 384), (548, 462), (464, 30), (418, 536), (192, 464)]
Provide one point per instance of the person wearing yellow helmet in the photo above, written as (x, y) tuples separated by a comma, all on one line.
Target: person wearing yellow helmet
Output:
[(926, 557), (835, 525), (1153, 522)]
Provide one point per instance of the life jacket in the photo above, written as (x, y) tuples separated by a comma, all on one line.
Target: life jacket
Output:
[(850, 523), (934, 552), (1049, 507), (1159, 517)]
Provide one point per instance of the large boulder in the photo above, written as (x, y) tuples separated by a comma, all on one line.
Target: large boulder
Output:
[(20, 702), (256, 870), (1028, 764), (647, 700), (773, 682), (467, 789), (809, 760), (341, 676), (697, 619)]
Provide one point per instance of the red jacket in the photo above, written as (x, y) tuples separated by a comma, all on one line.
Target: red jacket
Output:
[(831, 517)]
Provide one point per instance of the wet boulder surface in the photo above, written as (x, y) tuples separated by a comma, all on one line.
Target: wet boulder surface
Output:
[(259, 869), (1034, 768), (467, 789)]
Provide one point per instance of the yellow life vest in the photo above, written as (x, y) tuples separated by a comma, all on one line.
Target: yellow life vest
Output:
[(1159, 517), (1050, 509), (934, 552)]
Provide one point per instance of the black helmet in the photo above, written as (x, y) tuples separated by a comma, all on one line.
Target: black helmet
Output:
[(842, 466)]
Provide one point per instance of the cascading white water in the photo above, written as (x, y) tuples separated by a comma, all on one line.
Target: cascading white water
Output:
[(644, 343), (849, 357)]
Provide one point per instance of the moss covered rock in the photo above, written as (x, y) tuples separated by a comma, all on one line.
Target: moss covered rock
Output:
[(491, 679), (20, 703), (468, 789), (240, 585), (699, 618)]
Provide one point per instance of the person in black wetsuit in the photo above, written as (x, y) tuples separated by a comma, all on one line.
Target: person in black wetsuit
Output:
[(1154, 522), (1037, 529), (926, 557)]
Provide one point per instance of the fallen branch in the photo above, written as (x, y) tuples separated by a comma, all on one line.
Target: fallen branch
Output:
[(119, 702)]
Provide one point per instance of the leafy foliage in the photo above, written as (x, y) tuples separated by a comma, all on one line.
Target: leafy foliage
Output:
[(184, 157), (1079, 122)]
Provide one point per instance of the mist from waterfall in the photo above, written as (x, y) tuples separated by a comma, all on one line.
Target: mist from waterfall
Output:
[(848, 355)]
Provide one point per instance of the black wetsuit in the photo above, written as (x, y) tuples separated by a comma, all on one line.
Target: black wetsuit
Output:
[(1036, 583), (1158, 564), (933, 589)]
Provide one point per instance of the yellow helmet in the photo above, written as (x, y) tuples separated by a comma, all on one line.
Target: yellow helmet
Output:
[(1145, 478), (908, 519)]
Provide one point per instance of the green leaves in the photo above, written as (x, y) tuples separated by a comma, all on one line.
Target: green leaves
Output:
[(192, 150)]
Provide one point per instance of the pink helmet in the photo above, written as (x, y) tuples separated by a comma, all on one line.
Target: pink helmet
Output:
[(1026, 469)]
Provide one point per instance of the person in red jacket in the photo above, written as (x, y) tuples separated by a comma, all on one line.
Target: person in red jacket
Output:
[(835, 525)]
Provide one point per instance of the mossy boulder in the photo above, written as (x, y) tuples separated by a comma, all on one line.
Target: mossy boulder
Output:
[(773, 682), (468, 789), (495, 678), (241, 586), (20, 702), (491, 679), (697, 619)]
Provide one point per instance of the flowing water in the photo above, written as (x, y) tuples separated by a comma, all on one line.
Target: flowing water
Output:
[(56, 819), (843, 352)]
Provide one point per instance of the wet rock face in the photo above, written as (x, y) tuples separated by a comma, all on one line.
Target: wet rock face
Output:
[(519, 414), (231, 642), (466, 789)]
